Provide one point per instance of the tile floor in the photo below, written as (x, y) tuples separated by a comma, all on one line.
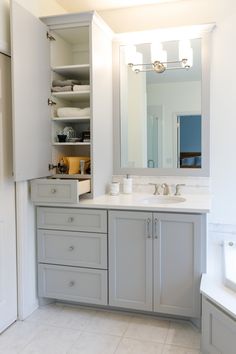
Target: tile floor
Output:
[(60, 329)]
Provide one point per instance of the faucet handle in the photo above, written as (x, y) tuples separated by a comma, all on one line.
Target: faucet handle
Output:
[(166, 188), (156, 191), (177, 188)]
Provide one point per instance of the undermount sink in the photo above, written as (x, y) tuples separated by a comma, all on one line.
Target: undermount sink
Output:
[(162, 199)]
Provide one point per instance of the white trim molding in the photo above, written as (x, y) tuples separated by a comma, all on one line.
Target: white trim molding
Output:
[(26, 252)]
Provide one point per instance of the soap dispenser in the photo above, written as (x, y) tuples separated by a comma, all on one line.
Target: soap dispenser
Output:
[(127, 185)]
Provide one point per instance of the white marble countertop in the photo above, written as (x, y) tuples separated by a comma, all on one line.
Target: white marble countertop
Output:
[(195, 203), (138, 201), (218, 293)]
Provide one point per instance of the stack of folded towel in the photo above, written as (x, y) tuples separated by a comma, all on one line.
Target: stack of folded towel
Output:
[(73, 112), (68, 85)]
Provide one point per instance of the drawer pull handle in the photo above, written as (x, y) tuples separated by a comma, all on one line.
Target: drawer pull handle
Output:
[(148, 228), (53, 190), (155, 228), (71, 283), (70, 219), (71, 248)]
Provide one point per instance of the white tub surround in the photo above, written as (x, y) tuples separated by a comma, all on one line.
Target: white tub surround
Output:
[(223, 297), (229, 249), (219, 301)]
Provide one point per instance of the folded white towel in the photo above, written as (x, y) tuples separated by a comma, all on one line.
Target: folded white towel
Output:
[(62, 88), (73, 112), (81, 87), (65, 82)]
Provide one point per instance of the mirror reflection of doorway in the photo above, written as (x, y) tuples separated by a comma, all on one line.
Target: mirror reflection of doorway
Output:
[(154, 136), (189, 145)]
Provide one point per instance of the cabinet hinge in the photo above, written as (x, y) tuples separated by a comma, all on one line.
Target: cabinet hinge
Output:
[(50, 37), (51, 102)]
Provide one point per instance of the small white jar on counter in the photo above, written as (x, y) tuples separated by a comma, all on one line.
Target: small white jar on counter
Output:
[(114, 188), (127, 185)]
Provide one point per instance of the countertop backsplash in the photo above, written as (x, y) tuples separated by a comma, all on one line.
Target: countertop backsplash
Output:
[(193, 185)]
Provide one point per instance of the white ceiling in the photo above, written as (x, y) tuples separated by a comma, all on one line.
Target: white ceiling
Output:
[(97, 5)]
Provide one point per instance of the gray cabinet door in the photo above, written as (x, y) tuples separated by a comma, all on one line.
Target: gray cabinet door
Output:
[(177, 263), (31, 79), (130, 259)]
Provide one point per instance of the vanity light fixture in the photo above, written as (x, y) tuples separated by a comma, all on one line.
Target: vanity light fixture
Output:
[(134, 58)]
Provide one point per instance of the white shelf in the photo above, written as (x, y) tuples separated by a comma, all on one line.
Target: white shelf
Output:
[(71, 119), (65, 175), (73, 71), (72, 95), (67, 143)]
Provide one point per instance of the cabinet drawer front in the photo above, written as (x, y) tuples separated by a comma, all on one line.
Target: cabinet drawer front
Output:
[(70, 219), (58, 190), (72, 248), (73, 284)]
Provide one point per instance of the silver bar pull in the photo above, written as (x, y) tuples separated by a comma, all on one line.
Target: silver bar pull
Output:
[(149, 228), (50, 37), (155, 228), (51, 102)]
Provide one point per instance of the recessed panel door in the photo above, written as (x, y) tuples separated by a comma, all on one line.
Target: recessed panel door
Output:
[(30, 91)]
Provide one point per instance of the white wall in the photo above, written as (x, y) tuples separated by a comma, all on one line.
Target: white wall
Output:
[(223, 82), (36, 7), (176, 98)]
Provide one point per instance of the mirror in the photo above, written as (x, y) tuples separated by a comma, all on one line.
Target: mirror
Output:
[(163, 125)]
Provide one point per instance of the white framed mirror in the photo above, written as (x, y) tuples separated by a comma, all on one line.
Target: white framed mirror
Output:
[(161, 103)]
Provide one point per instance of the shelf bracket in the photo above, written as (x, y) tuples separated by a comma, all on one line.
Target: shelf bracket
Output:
[(50, 37)]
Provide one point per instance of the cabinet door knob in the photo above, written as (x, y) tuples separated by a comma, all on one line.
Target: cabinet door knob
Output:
[(155, 228), (71, 283), (53, 190), (71, 248), (149, 228), (70, 219)]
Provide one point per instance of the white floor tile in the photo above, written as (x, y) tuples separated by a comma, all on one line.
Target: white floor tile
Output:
[(183, 334), (92, 343), (73, 317), (134, 346), (46, 314), (147, 328), (109, 323), (172, 349), (52, 340), (16, 337), (60, 329)]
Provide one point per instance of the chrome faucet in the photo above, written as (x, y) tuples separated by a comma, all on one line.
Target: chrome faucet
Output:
[(166, 189), (156, 191)]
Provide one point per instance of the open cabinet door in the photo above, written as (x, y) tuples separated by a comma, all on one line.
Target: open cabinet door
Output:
[(30, 93), (8, 291)]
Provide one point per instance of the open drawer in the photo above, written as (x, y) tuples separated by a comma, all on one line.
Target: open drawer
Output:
[(58, 190)]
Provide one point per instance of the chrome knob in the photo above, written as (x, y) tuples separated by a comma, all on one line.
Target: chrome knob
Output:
[(53, 190), (71, 283), (71, 248), (70, 219)]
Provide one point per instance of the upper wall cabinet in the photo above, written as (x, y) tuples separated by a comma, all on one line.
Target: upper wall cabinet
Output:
[(62, 97)]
